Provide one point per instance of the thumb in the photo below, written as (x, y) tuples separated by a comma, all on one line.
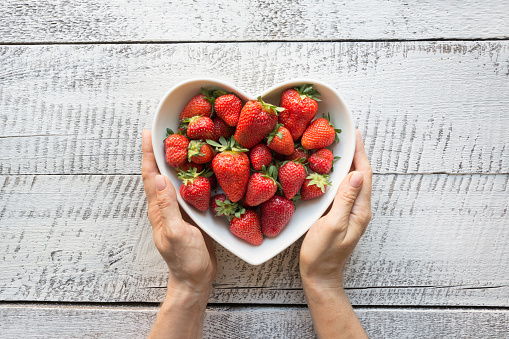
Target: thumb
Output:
[(167, 201), (345, 197)]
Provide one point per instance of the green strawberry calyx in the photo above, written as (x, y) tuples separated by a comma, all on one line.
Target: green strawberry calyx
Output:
[(337, 130), (333, 162), (226, 208), (319, 180), (181, 131), (275, 132), (189, 176), (267, 106), (226, 145), (307, 90), (270, 173), (194, 148)]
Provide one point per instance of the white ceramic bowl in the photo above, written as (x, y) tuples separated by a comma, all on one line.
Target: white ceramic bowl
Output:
[(306, 213)]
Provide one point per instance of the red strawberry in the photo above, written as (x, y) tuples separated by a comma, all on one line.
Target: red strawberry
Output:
[(228, 108), (221, 129), (213, 181), (275, 214), (291, 175), (175, 148), (321, 161), (195, 189), (247, 226), (221, 206), (200, 128), (257, 119), (231, 168), (260, 155), (280, 140), (300, 105), (190, 165), (199, 105), (200, 152), (298, 153), (320, 134), (261, 186), (245, 205), (314, 186), (215, 201), (278, 156)]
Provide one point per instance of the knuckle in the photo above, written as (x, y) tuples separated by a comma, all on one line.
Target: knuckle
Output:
[(349, 196), (163, 202)]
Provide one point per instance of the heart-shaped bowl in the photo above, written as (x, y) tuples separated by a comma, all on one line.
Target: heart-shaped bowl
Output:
[(306, 212)]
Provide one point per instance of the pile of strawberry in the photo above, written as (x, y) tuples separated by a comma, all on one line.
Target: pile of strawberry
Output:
[(257, 152)]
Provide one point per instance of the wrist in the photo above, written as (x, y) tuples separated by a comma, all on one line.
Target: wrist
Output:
[(186, 294), (321, 283)]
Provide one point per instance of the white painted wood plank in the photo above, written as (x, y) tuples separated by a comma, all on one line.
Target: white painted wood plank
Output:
[(30, 321), (434, 240), (208, 20), (424, 107)]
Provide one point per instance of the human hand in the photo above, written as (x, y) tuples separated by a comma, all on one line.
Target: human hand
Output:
[(188, 251), (332, 238)]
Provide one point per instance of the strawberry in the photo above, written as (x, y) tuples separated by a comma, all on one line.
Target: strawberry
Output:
[(213, 181), (257, 119), (278, 156), (245, 205), (228, 108), (300, 105), (280, 140), (199, 105), (261, 186), (321, 161), (246, 225), (215, 201), (199, 128), (190, 165), (221, 206), (221, 129), (275, 214), (291, 175), (175, 148), (200, 152), (314, 186), (195, 189), (298, 153), (260, 155), (321, 133), (231, 167)]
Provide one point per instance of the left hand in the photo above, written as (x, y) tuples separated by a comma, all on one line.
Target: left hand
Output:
[(188, 252)]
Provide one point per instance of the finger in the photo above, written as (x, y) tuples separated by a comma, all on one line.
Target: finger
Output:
[(360, 159), (345, 198), (167, 202), (149, 167), (362, 206)]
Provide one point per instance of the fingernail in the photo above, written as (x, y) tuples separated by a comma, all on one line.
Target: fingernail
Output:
[(356, 179), (160, 183)]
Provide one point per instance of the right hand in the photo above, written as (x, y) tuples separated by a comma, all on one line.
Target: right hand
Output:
[(330, 241)]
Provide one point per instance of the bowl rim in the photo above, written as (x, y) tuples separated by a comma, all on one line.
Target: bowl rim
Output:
[(253, 260)]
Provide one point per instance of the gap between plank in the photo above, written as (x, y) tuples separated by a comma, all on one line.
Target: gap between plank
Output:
[(163, 42), (240, 306)]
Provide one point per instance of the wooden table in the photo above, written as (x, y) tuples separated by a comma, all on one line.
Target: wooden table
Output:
[(428, 84)]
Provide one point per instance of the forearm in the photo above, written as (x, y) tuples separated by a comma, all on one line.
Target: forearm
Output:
[(332, 313), (181, 315)]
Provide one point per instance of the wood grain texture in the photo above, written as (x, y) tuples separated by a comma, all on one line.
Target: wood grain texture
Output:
[(434, 240), (423, 107), (208, 20), (30, 321)]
